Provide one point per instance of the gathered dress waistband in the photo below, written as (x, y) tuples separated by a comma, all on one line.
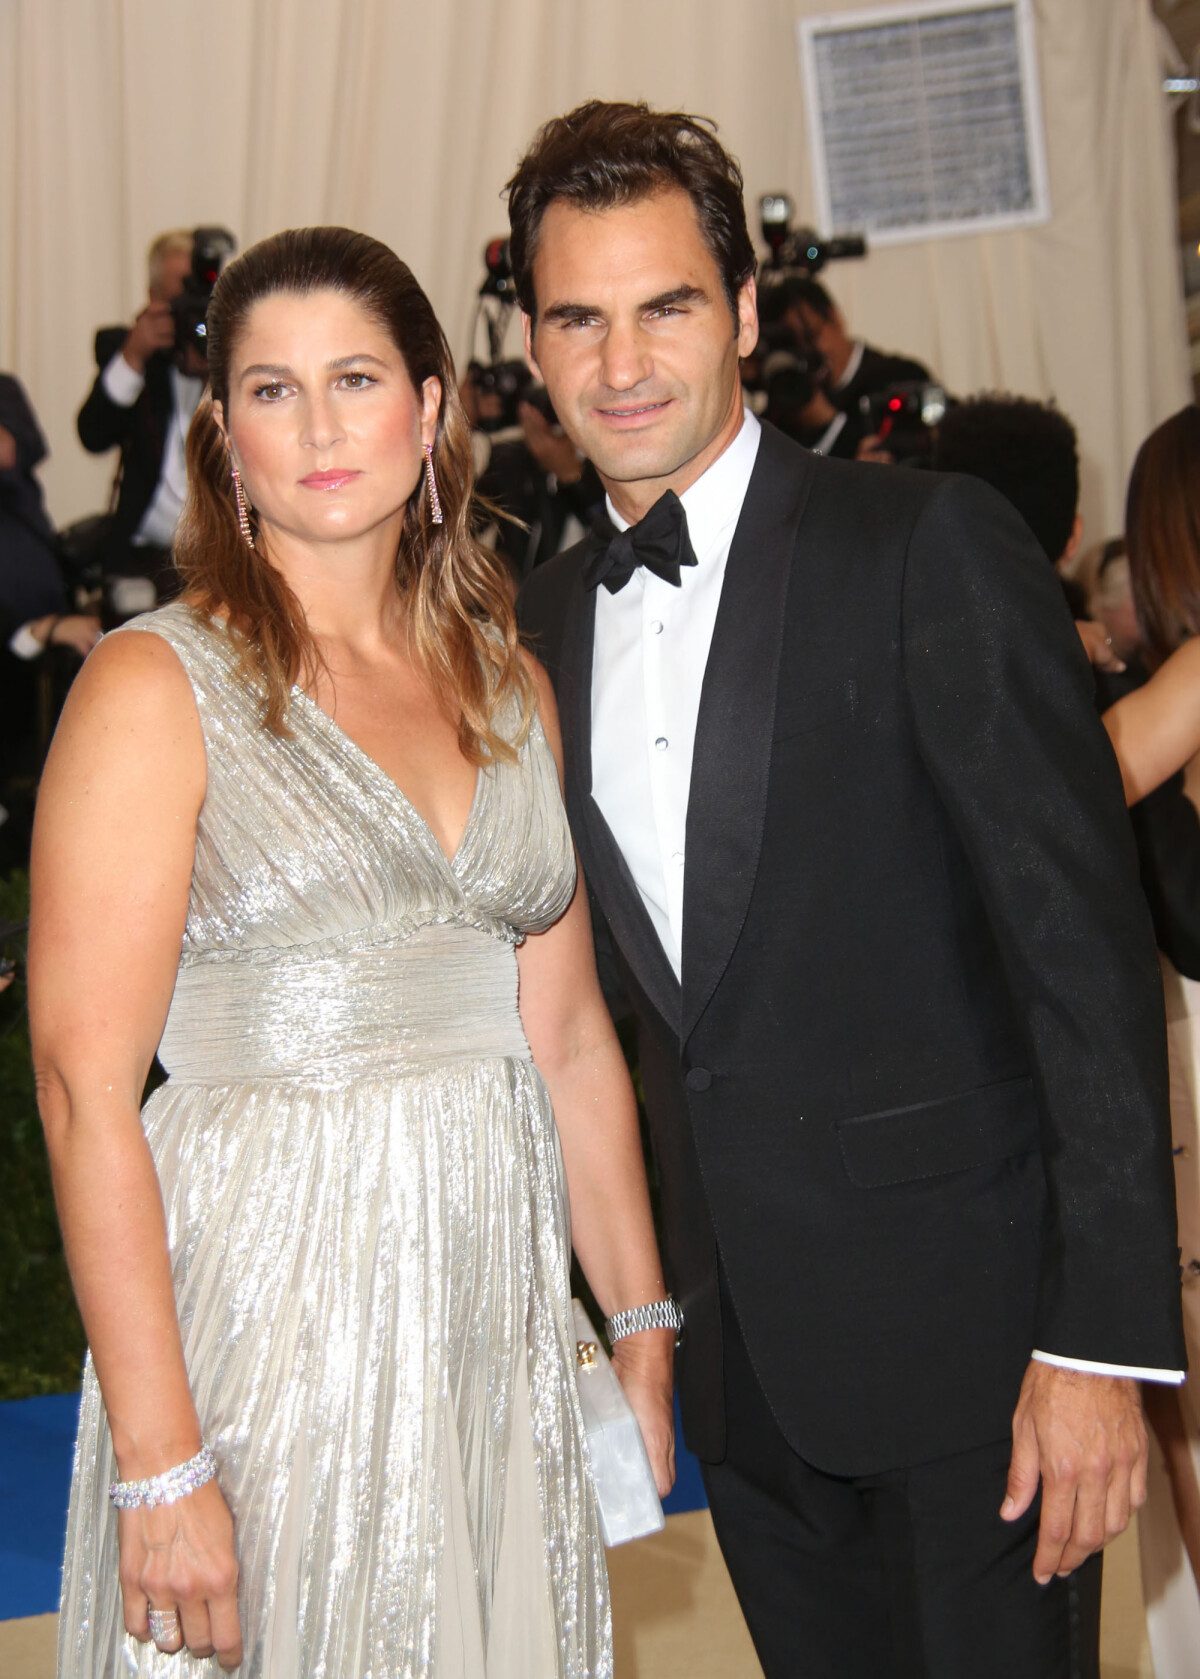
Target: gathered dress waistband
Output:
[(443, 993)]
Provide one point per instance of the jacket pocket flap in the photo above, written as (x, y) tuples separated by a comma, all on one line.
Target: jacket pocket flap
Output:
[(899, 1145)]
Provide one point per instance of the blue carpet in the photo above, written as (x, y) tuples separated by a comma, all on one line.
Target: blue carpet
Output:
[(37, 1438), (688, 1491)]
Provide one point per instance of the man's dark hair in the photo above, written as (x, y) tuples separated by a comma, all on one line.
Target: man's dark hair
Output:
[(801, 291), (1026, 450), (603, 154)]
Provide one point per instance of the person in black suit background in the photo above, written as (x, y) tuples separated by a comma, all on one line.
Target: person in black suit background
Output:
[(34, 616), (859, 854), (856, 368), (142, 402)]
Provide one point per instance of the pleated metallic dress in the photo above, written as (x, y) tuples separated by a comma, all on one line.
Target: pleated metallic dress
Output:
[(367, 1222)]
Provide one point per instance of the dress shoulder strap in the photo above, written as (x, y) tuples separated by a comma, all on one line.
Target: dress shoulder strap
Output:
[(207, 655)]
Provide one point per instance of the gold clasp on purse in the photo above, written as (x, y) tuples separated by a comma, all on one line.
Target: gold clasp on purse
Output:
[(585, 1352)]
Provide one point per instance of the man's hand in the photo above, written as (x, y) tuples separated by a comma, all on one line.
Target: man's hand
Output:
[(75, 629), (8, 450), (154, 329), (872, 449), (551, 449), (1097, 644), (1085, 1437)]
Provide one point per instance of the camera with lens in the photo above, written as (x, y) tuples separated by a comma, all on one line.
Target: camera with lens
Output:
[(501, 385), (787, 372), (904, 418), (500, 388), (798, 250), (211, 249)]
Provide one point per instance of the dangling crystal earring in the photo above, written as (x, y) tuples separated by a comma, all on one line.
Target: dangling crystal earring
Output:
[(435, 501), (243, 511)]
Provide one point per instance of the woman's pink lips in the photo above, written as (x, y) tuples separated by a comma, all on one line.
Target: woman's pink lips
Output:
[(329, 480)]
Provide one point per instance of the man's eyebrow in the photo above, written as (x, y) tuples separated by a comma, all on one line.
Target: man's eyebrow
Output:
[(664, 300), (568, 311), (678, 294)]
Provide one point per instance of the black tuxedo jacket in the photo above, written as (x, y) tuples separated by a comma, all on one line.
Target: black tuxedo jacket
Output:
[(140, 432), (912, 1089)]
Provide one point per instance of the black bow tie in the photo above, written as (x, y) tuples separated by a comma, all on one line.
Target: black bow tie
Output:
[(659, 541)]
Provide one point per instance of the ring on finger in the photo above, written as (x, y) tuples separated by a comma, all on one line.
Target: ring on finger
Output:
[(164, 1626)]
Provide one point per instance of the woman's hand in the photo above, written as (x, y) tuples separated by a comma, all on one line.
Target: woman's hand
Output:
[(180, 1556), (644, 1364)]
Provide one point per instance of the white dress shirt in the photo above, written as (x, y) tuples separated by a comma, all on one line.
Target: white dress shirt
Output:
[(124, 385), (652, 643)]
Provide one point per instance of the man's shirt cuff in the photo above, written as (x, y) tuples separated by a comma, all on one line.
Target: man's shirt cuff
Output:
[(121, 384), (25, 644), (1173, 1377)]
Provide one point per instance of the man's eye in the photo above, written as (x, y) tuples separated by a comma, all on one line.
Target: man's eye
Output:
[(667, 309)]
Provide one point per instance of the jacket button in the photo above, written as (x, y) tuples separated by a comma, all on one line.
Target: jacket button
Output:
[(698, 1078)]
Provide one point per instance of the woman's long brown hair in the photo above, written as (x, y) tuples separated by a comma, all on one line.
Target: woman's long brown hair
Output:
[(1162, 534), (458, 604)]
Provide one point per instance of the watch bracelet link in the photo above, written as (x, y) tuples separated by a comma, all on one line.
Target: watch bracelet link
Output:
[(660, 1314)]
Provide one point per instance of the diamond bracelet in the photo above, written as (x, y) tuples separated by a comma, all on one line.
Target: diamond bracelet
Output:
[(661, 1314), (173, 1484)]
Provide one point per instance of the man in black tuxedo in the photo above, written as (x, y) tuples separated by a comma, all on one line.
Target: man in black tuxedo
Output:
[(857, 843), (141, 402)]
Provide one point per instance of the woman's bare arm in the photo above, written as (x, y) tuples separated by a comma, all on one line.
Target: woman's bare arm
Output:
[(577, 1053), (1156, 729), (113, 848)]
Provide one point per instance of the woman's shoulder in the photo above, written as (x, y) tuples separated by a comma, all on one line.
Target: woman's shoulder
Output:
[(132, 689), (199, 640)]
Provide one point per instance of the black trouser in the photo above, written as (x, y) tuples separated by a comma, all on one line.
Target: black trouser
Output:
[(909, 1574)]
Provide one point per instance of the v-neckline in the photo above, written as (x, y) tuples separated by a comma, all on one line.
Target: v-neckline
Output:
[(373, 765)]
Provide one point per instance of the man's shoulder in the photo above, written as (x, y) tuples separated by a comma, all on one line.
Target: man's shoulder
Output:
[(545, 592), (841, 486)]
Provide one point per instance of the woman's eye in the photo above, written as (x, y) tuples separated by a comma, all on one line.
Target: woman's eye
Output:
[(357, 381), (271, 392)]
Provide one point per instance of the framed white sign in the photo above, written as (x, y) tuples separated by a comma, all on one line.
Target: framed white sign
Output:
[(925, 119)]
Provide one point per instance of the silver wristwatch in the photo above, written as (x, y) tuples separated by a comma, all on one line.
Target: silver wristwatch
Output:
[(660, 1314)]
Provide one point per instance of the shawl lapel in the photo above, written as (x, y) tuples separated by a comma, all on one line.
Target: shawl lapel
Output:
[(732, 757), (603, 862)]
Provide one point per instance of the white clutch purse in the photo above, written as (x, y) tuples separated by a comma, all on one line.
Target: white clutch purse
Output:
[(621, 1474)]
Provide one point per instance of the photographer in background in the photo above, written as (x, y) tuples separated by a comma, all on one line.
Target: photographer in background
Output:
[(789, 381), (34, 619), (856, 369), (142, 402), (526, 467)]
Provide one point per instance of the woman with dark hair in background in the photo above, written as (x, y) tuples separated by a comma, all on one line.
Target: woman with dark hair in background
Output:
[(1156, 733), (304, 826)]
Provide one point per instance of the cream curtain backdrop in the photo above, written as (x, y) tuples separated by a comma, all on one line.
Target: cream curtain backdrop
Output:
[(122, 117)]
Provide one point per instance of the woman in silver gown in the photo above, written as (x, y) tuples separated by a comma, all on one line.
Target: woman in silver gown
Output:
[(304, 827)]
